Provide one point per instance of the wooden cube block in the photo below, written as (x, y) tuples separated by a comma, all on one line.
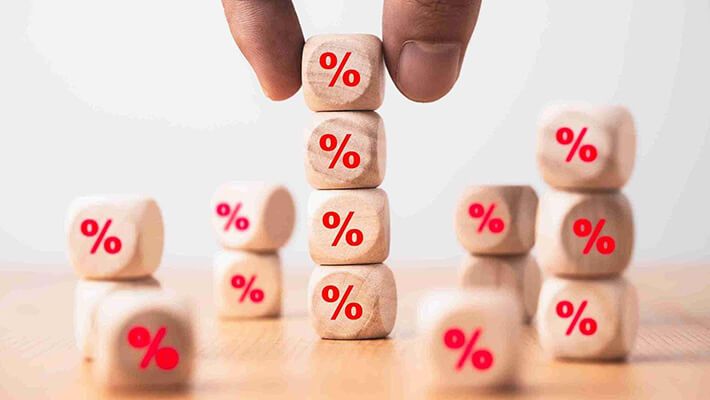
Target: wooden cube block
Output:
[(343, 72), (88, 295), (247, 284), (584, 235), (353, 301), (253, 216), (349, 226), (588, 319), (119, 237), (346, 150), (586, 147), (519, 274), (496, 219), (470, 339), (143, 339)]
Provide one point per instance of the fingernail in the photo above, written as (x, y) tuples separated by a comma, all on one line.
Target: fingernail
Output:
[(426, 70)]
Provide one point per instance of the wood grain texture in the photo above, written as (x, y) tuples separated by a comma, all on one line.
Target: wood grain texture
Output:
[(370, 215), (514, 206), (366, 58), (269, 210), (370, 287), (560, 251), (519, 274), (361, 163), (285, 358), (609, 129), (137, 223), (611, 308)]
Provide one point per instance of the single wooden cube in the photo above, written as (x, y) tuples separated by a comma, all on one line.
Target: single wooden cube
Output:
[(349, 226), (247, 284), (343, 72), (88, 295), (253, 216), (586, 147), (353, 301), (518, 274), (496, 219), (144, 339), (346, 150), (470, 338), (119, 237), (588, 319), (584, 235)]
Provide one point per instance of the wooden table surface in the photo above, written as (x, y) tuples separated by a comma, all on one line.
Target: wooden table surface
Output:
[(282, 358)]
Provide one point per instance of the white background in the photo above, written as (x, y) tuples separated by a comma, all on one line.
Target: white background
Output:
[(154, 97)]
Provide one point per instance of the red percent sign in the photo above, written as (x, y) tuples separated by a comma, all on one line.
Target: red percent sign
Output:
[(331, 294), (455, 338), (331, 220), (586, 152), (329, 60), (478, 211), (240, 282), (587, 326), (329, 143), (233, 218), (584, 228), (90, 228), (166, 358)]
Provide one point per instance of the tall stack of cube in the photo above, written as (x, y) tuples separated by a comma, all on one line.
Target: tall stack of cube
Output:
[(137, 334), (585, 232), (351, 294), (496, 225), (252, 222)]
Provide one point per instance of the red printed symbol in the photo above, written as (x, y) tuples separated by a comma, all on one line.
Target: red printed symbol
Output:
[(329, 142), (90, 228), (331, 220), (454, 339), (583, 228), (478, 211), (329, 61), (233, 218), (331, 294), (587, 326), (240, 282), (586, 152), (166, 358)]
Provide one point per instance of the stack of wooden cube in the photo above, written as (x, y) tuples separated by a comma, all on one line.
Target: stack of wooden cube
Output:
[(351, 294), (137, 334), (252, 221), (585, 232)]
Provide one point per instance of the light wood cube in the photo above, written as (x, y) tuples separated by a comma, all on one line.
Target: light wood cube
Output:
[(253, 216), (346, 150), (496, 219), (586, 147), (88, 295), (519, 274), (144, 339), (584, 235), (470, 339), (349, 226), (588, 319), (247, 284), (353, 301), (343, 72), (118, 237)]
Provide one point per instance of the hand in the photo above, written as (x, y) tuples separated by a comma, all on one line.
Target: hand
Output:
[(424, 43)]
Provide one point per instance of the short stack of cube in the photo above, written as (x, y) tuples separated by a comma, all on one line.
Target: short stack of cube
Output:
[(585, 232), (137, 334), (252, 222), (351, 294)]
